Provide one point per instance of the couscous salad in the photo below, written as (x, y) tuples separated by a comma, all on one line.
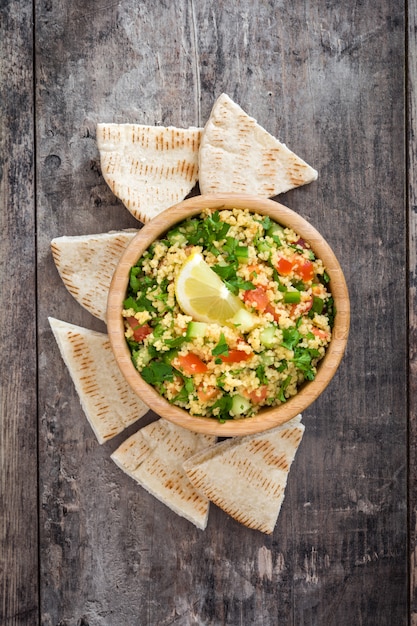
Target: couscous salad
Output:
[(227, 313)]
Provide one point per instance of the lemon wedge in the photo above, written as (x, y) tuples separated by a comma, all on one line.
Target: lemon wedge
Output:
[(201, 293)]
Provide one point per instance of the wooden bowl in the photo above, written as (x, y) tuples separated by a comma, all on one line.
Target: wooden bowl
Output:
[(268, 417)]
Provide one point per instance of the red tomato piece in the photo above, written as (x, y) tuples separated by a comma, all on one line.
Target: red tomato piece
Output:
[(296, 310), (321, 334), (270, 309), (235, 356), (254, 271), (304, 268), (205, 394), (258, 395), (284, 266), (257, 298), (140, 331), (191, 364)]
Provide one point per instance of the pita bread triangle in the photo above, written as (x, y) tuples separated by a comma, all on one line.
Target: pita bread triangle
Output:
[(106, 398), (237, 155), (154, 456), (149, 168), (86, 265), (246, 476)]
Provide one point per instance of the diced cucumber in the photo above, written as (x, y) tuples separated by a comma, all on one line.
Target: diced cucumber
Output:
[(176, 236), (196, 329), (240, 405), (242, 253), (141, 357), (267, 336), (266, 359), (275, 230), (243, 320), (263, 246)]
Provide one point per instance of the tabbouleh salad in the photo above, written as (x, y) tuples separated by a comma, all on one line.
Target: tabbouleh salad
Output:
[(259, 357)]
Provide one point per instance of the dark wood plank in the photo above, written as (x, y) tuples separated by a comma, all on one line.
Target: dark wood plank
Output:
[(328, 80), (18, 453), (412, 262)]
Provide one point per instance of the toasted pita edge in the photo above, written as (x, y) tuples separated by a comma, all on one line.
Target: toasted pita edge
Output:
[(149, 168), (278, 171), (94, 404), (86, 263), (221, 489), (130, 465)]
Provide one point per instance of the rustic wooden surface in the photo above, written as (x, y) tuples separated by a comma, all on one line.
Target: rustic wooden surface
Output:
[(81, 544)]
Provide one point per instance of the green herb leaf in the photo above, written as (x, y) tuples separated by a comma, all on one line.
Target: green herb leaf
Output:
[(224, 403), (330, 311), (221, 348), (302, 360), (266, 222), (291, 337), (281, 393), (130, 303), (176, 342), (318, 305), (260, 373), (134, 282), (157, 372)]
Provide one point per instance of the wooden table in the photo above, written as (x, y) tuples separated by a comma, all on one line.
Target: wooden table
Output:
[(81, 544)]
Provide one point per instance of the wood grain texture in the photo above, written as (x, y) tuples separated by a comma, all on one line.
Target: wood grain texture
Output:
[(412, 261), (18, 434), (327, 79)]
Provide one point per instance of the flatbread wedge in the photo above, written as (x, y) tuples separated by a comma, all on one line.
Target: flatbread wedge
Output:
[(237, 155), (149, 168), (246, 476), (106, 398), (154, 456), (86, 265)]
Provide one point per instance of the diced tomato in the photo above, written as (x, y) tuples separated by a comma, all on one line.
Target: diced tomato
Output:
[(205, 394), (140, 331), (284, 266), (304, 268), (258, 395), (258, 298), (272, 310), (191, 364), (254, 271), (322, 334), (236, 355), (296, 310)]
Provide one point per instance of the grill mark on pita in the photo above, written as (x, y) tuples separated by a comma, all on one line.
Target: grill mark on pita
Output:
[(106, 405), (127, 160), (231, 508), (160, 471), (260, 462), (266, 166), (269, 454)]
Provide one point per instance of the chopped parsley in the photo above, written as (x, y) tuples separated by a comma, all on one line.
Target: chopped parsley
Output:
[(291, 336), (222, 348), (156, 372), (221, 408)]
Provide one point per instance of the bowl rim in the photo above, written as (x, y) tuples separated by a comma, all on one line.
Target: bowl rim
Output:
[(266, 418)]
